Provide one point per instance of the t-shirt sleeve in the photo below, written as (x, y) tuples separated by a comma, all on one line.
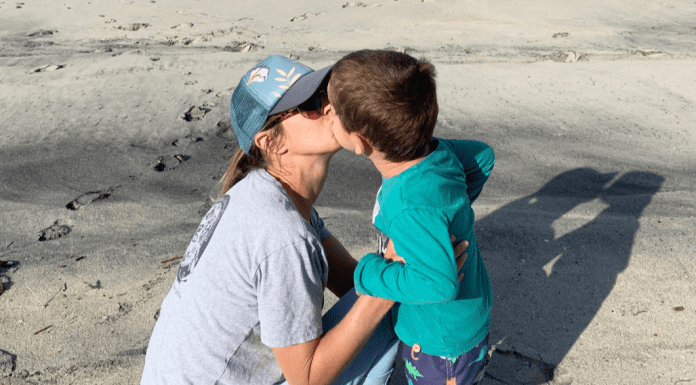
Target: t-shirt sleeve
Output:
[(290, 291), (429, 275), (478, 159), (318, 225)]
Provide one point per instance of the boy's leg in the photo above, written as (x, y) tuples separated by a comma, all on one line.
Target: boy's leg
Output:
[(467, 369), (375, 361)]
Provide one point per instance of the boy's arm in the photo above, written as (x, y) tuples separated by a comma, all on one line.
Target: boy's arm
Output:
[(478, 160), (421, 237)]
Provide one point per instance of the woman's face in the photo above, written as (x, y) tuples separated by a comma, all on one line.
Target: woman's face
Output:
[(310, 133)]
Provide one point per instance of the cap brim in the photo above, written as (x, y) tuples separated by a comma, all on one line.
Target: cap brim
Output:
[(300, 92)]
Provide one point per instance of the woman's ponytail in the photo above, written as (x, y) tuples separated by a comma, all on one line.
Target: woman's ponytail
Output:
[(241, 162), (240, 165)]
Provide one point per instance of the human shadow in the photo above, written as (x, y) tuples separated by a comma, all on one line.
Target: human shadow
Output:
[(553, 261)]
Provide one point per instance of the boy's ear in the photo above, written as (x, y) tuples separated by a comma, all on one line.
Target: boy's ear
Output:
[(328, 107), (362, 144)]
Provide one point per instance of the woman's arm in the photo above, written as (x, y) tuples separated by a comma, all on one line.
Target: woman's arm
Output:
[(341, 266), (321, 360)]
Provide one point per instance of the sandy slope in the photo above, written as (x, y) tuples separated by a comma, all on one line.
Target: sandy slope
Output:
[(587, 224)]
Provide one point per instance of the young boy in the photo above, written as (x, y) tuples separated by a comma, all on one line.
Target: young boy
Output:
[(386, 108)]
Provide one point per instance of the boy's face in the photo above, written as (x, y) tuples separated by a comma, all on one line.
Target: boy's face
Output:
[(346, 139)]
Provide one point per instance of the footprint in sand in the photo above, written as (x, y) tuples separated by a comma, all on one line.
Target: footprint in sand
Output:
[(649, 52), (406, 50), (89, 197), (224, 127), (57, 230), (34, 44), (165, 163), (228, 91), (48, 68), (220, 32), (183, 26), (359, 4), (242, 47), (186, 140), (567, 57), (135, 352), (42, 32), (103, 49), (195, 113), (197, 40), (123, 308), (174, 40), (305, 16), (133, 27)]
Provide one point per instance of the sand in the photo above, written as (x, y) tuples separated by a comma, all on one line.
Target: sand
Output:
[(115, 128)]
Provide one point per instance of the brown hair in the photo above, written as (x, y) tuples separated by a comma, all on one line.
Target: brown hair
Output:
[(389, 97), (241, 162)]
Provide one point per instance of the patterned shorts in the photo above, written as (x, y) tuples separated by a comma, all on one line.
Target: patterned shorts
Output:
[(467, 369)]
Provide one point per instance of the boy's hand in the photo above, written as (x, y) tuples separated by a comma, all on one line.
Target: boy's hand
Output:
[(459, 253)]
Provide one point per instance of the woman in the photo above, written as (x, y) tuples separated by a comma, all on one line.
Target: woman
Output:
[(245, 307)]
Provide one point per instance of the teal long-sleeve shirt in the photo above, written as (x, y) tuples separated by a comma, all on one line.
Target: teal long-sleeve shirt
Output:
[(419, 209)]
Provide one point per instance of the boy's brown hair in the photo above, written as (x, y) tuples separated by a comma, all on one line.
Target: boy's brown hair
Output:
[(389, 97)]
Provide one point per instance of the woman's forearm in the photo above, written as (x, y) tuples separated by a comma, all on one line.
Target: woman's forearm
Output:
[(341, 344)]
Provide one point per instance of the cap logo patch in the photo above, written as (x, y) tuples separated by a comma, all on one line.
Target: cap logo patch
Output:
[(288, 79), (258, 74)]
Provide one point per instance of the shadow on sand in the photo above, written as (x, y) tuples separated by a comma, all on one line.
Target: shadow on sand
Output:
[(553, 258)]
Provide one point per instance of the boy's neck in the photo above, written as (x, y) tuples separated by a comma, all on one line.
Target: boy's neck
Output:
[(389, 168)]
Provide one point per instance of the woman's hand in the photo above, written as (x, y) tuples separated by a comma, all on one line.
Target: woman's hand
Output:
[(459, 253), (390, 253)]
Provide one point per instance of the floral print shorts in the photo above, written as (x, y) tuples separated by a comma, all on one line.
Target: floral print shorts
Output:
[(467, 369)]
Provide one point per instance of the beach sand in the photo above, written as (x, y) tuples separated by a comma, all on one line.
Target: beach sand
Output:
[(115, 129)]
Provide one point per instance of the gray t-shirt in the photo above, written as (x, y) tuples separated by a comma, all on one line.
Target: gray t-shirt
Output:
[(253, 277)]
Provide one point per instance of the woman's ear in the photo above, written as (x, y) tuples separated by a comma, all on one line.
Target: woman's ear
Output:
[(262, 140), (270, 143)]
